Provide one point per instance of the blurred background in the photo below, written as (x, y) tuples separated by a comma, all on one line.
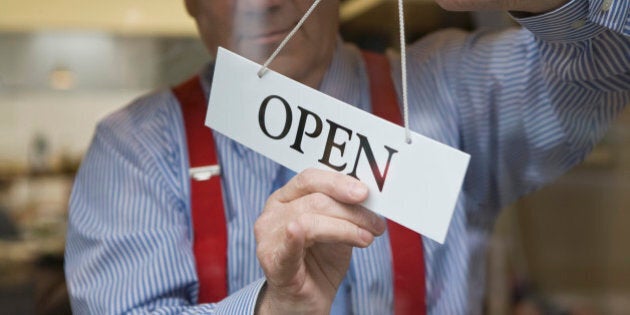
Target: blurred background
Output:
[(65, 64)]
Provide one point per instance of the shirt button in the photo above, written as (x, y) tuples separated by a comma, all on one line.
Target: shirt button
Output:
[(578, 24), (606, 5)]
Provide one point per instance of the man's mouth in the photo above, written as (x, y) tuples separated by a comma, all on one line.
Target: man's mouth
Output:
[(270, 37)]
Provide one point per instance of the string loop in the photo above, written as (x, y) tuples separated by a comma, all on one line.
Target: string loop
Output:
[(403, 70), (403, 58)]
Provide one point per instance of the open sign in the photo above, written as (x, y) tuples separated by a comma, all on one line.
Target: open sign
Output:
[(415, 185)]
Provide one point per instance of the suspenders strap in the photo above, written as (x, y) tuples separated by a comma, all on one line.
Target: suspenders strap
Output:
[(407, 247), (208, 215)]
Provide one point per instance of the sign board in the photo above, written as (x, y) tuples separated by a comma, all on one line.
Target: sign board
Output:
[(415, 185)]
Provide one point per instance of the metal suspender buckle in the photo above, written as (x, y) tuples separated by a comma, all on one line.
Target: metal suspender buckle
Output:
[(203, 173)]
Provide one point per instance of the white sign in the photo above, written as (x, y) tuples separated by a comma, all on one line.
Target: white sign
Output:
[(415, 185)]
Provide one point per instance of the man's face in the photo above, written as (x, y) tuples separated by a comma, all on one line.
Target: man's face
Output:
[(254, 28)]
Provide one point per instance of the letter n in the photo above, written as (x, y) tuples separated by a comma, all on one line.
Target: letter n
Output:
[(364, 145)]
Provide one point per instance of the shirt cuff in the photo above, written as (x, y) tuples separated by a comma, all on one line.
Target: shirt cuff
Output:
[(578, 20), (243, 301)]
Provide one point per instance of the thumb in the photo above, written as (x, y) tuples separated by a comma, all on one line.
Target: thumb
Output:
[(287, 259)]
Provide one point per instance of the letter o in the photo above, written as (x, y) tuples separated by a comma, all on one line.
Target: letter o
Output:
[(287, 121)]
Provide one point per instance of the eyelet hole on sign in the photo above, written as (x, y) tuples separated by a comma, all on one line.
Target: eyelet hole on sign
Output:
[(261, 72)]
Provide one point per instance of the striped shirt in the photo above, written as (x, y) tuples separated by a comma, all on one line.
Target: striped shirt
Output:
[(527, 104)]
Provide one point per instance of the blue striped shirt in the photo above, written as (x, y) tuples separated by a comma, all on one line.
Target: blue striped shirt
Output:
[(527, 104)]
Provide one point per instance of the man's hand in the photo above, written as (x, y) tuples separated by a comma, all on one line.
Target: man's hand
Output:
[(531, 6), (305, 237)]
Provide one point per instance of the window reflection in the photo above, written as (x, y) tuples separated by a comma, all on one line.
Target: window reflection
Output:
[(560, 249)]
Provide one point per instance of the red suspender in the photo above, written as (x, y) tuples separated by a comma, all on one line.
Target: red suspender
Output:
[(208, 216), (407, 248), (210, 244)]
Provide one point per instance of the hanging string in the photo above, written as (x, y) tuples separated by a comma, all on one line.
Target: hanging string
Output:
[(403, 58), (403, 70), (263, 70)]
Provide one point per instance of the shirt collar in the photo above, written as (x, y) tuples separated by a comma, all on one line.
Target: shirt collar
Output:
[(346, 79)]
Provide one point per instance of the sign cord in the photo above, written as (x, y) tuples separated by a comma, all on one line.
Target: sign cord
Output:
[(264, 67), (403, 58), (403, 68)]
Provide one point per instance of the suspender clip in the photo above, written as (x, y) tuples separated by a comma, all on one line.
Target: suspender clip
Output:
[(203, 173)]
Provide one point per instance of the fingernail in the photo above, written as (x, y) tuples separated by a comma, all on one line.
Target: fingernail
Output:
[(357, 190)]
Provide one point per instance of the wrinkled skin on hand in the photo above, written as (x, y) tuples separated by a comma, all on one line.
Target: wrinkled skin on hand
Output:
[(308, 228), (305, 237)]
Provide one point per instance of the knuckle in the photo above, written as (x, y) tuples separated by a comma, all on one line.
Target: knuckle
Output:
[(319, 201), (266, 260), (310, 172), (298, 221), (307, 220), (274, 197), (267, 221), (310, 224), (337, 180), (294, 227), (262, 221), (303, 180), (259, 228), (260, 253)]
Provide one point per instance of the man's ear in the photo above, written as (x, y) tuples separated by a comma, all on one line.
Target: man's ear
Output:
[(191, 7)]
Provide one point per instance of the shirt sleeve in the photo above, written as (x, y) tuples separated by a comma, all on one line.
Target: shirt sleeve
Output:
[(530, 103), (580, 20), (128, 244)]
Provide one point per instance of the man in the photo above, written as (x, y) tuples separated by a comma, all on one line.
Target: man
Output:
[(526, 104)]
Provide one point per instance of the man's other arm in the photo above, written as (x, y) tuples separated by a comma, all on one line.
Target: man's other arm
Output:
[(129, 247), (531, 103)]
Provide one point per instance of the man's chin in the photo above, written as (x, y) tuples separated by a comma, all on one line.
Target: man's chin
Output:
[(255, 53)]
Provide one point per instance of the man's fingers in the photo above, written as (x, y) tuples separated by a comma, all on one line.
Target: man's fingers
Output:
[(286, 259), (340, 187), (315, 208), (324, 229), (323, 205)]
